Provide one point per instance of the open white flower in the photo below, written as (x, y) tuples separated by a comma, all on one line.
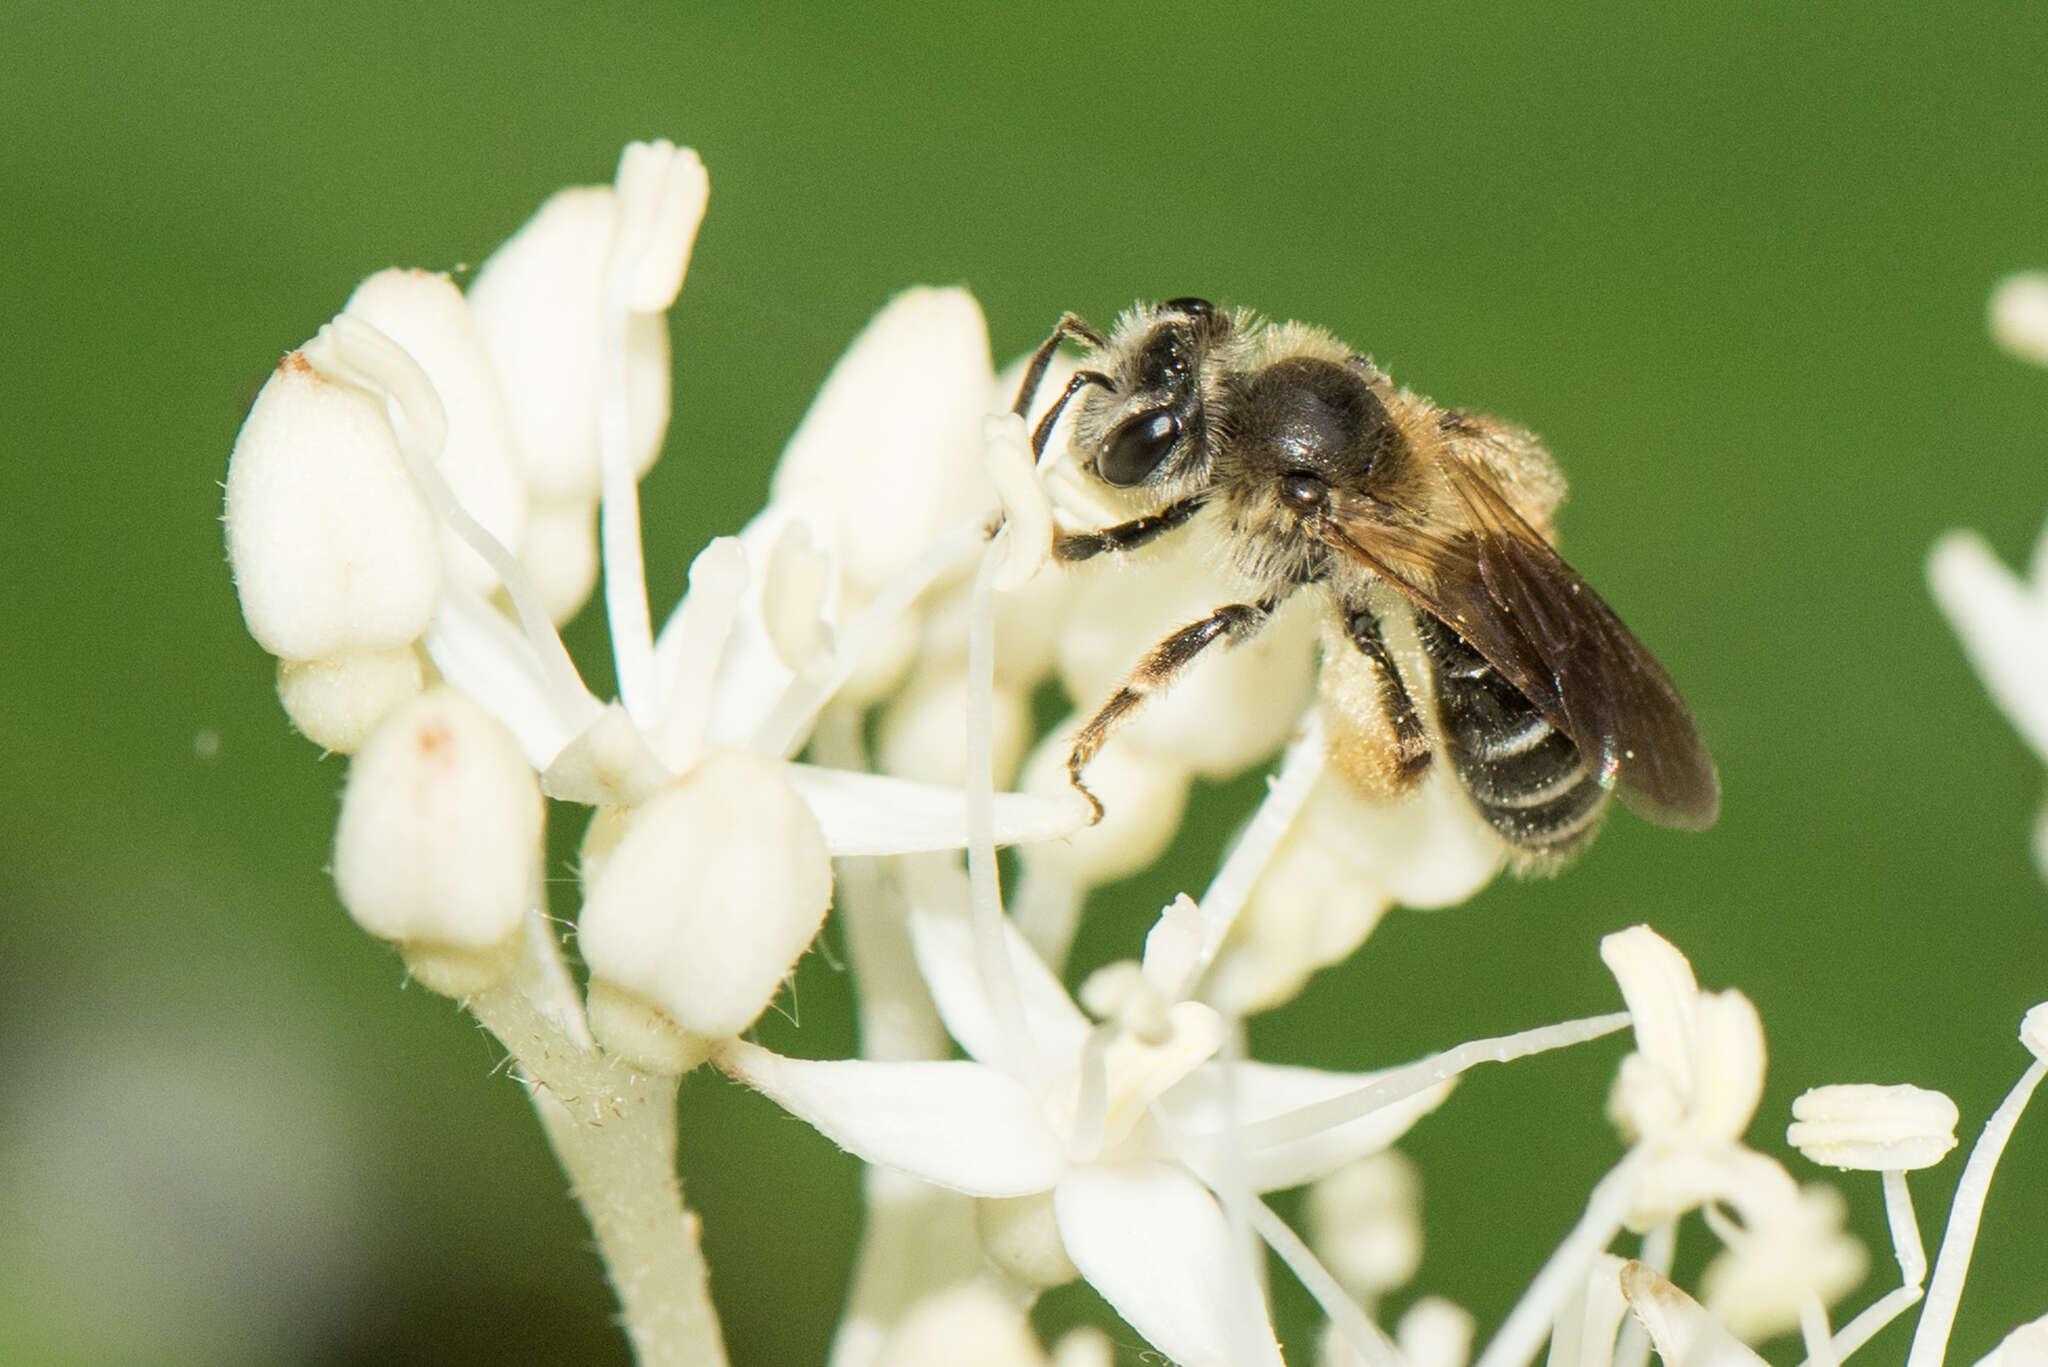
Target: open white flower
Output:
[(1130, 1129), (1125, 1126), (1688, 1093)]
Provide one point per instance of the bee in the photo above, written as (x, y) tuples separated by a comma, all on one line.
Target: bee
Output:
[(1453, 628)]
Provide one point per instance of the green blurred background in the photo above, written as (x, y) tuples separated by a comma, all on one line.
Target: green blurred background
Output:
[(1731, 260)]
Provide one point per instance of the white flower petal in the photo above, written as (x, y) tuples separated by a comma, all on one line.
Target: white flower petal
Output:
[(673, 179), (1207, 1105), (1153, 1241), (1662, 995), (751, 675), (1682, 1331), (876, 814), (943, 939), (957, 1125), (1728, 1066), (2003, 628), (608, 764), (482, 653), (1173, 947)]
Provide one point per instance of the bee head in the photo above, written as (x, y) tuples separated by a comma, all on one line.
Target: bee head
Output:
[(1133, 431)]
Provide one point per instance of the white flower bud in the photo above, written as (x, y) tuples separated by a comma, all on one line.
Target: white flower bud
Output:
[(1365, 1221), (702, 907), (439, 844), (1873, 1129), (337, 700), (537, 303), (560, 552), (967, 1322), (1085, 1346), (1436, 1333), (1142, 798), (1020, 1236), (2034, 1031), (924, 730), (1310, 908), (1428, 848), (607, 827), (889, 458), (1791, 1253), (334, 549), (1234, 705), (1028, 627), (425, 313), (2019, 315), (1029, 622)]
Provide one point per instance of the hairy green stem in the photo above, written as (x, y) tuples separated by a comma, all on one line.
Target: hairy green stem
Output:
[(614, 1129)]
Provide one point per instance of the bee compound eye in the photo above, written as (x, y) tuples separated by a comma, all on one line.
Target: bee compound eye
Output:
[(1191, 306), (1136, 447)]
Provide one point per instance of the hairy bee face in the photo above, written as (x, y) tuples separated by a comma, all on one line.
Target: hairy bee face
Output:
[(1149, 425)]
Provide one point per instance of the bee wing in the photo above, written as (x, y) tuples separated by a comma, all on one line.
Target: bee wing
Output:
[(1501, 587)]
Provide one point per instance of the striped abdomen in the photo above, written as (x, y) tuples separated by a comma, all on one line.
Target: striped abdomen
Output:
[(1527, 778)]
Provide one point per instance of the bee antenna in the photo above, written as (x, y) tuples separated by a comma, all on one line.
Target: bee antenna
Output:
[(1079, 381)]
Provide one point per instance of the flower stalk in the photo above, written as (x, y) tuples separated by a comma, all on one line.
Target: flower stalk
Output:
[(613, 1129)]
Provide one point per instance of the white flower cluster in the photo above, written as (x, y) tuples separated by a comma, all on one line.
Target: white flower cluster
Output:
[(433, 482)]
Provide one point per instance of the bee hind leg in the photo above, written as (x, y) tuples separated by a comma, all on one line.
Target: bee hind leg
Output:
[(1405, 752), (1156, 672)]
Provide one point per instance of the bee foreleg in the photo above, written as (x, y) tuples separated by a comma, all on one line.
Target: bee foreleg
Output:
[(1160, 667), (1070, 326), (1125, 536)]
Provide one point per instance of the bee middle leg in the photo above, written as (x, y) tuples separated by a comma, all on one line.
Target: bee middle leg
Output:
[(1160, 667)]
